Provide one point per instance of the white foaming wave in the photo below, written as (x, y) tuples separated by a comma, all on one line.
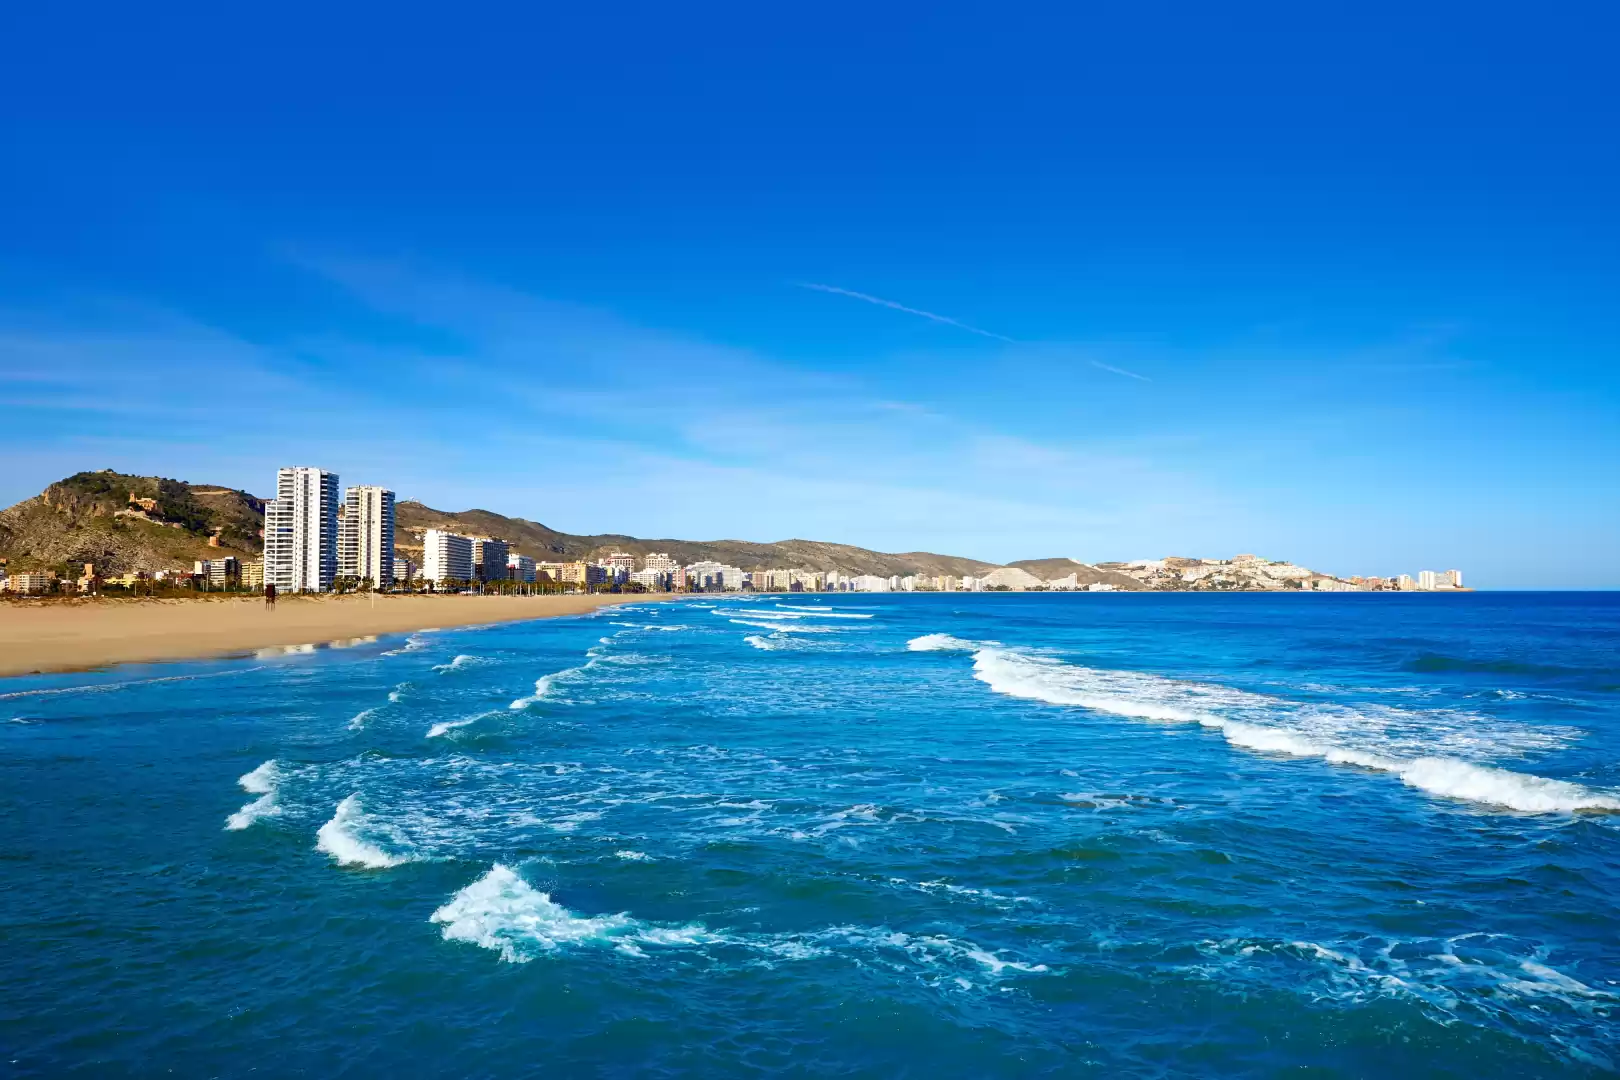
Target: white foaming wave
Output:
[(634, 856), (502, 912), (459, 663), (788, 628), (735, 613), (262, 782), (340, 838), (505, 914), (444, 727), (545, 684), (669, 629), (760, 642), (412, 643), (398, 692), (940, 643), (361, 717), (823, 613), (1315, 731)]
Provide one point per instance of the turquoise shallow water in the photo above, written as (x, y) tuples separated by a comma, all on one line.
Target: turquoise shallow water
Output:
[(1015, 835)]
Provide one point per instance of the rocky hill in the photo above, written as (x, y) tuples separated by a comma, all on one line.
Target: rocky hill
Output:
[(122, 523)]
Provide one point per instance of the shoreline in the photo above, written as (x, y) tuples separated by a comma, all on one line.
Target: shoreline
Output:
[(88, 636)]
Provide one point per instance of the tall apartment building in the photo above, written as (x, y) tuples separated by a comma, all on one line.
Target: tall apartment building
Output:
[(489, 558), (659, 560), (520, 568), (300, 531), (366, 535), (446, 557)]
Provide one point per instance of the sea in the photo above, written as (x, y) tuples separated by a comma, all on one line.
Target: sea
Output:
[(946, 835)]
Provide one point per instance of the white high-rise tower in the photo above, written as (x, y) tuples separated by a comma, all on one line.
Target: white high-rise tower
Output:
[(300, 531), (366, 536)]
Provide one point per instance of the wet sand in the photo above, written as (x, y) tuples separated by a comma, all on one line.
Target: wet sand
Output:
[(83, 634)]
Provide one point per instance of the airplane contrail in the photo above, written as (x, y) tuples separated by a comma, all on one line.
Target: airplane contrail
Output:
[(948, 321), (1119, 371)]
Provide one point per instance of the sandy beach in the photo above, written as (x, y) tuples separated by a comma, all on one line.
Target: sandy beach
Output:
[(78, 635)]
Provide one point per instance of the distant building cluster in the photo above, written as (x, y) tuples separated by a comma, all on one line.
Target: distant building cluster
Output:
[(1427, 581), (319, 537), (1253, 573)]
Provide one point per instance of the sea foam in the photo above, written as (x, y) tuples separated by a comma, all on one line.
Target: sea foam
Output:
[(262, 782), (545, 684), (342, 839), (501, 911), (1383, 739), (821, 613)]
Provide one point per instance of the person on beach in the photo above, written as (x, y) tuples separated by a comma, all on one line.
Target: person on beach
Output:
[(269, 597)]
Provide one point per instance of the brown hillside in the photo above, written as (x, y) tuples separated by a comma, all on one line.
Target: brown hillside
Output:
[(531, 538), (1049, 569)]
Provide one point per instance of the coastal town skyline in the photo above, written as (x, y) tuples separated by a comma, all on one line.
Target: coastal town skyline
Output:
[(320, 536)]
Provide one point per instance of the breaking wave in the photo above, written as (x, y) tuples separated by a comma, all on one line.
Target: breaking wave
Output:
[(545, 684), (759, 641), (822, 613), (262, 782), (501, 911), (504, 913), (444, 727), (414, 642), (343, 839), (459, 663), (1379, 738), (787, 628)]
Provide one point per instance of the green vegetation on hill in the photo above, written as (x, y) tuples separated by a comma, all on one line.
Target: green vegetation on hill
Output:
[(123, 523)]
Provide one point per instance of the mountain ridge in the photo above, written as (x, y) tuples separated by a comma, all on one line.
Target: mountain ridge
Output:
[(122, 522)]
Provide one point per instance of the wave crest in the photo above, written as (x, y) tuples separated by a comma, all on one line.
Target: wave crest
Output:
[(342, 838), (262, 781), (1382, 738)]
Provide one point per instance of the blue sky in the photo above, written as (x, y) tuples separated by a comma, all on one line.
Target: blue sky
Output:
[(1334, 283)]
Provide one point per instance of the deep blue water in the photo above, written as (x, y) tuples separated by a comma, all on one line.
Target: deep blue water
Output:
[(1053, 835)]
